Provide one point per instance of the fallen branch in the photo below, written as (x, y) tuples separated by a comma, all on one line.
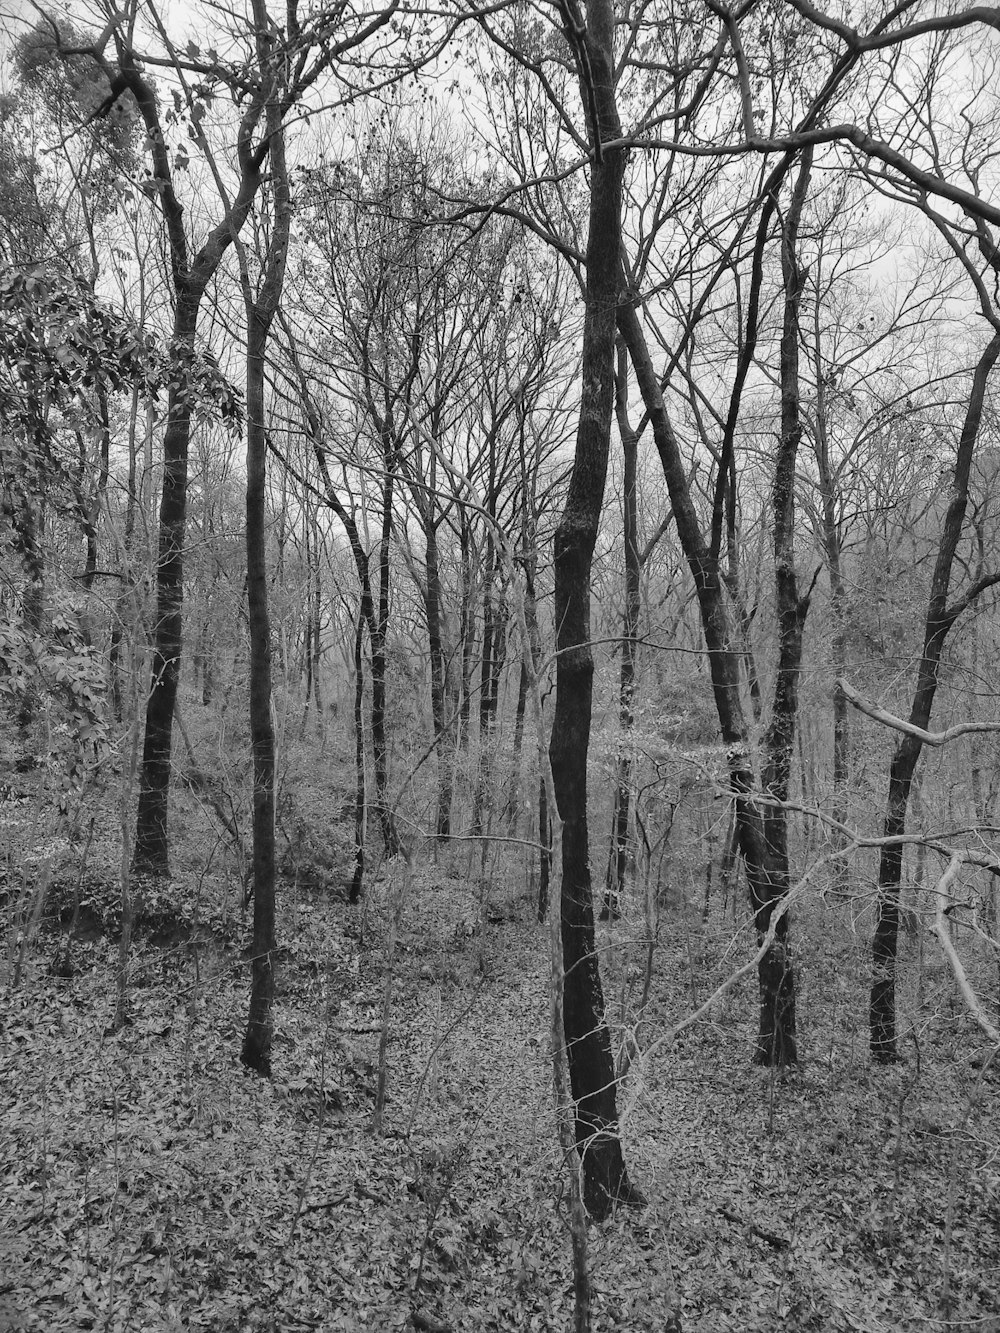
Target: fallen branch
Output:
[(326, 1204), (428, 1323), (770, 1237), (940, 929), (909, 728)]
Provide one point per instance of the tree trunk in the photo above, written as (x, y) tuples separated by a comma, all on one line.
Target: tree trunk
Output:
[(380, 750), (357, 879), (494, 654), (832, 544), (529, 563), (28, 525), (256, 1053), (618, 860), (443, 729), (512, 806), (545, 850), (776, 1044), (257, 1042), (468, 620), (376, 638), (939, 620), (124, 607), (592, 1069), (151, 855), (724, 656)]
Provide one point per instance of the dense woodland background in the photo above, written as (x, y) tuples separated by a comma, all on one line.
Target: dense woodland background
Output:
[(499, 567)]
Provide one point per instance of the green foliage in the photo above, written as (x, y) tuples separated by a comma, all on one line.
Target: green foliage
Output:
[(63, 354), (59, 344), (73, 90), (61, 671)]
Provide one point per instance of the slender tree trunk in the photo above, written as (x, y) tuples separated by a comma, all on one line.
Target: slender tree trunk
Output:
[(374, 623), (357, 879), (491, 669), (618, 860), (832, 544), (441, 722), (529, 563), (724, 656), (512, 807), (316, 642), (257, 1042), (380, 749), (545, 850), (940, 618), (468, 621), (592, 1069), (127, 583), (307, 635), (256, 1053), (776, 1045), (28, 527)]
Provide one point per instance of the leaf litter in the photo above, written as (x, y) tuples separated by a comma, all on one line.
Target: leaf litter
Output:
[(149, 1183)]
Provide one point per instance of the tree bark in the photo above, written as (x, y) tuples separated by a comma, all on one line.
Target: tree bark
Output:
[(468, 621), (151, 854), (374, 619), (357, 878), (256, 1053), (776, 1044), (494, 652), (380, 749), (441, 722), (592, 1070), (724, 655), (832, 548), (618, 860), (939, 620)]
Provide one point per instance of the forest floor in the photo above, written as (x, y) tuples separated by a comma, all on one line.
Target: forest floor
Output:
[(148, 1182)]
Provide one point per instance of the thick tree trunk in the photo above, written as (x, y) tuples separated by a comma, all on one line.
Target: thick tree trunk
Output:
[(940, 618), (257, 1043), (151, 855), (592, 1069)]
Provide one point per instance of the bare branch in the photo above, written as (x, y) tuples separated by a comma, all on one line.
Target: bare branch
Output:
[(941, 930), (888, 719)]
